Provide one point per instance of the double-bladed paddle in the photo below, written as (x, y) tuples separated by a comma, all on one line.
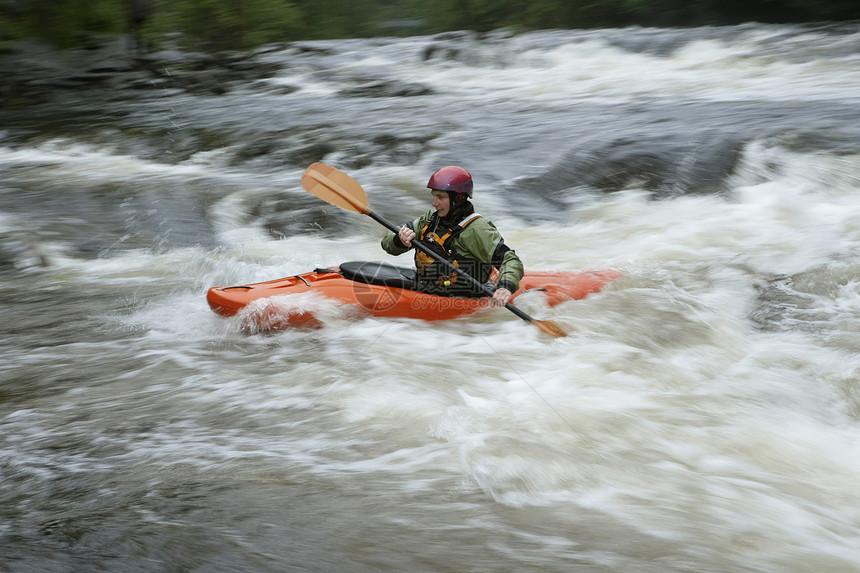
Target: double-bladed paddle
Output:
[(341, 190)]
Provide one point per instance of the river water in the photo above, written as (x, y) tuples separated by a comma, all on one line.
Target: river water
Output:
[(704, 415)]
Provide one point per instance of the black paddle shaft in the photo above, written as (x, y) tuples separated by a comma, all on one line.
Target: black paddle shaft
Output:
[(420, 245)]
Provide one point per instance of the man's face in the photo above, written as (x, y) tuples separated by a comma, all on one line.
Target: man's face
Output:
[(441, 202)]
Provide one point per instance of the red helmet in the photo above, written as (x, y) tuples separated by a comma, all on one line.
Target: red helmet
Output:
[(454, 179)]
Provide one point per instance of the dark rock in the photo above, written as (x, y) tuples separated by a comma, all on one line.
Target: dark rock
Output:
[(308, 48), (34, 72), (442, 52), (285, 216), (277, 150), (450, 45), (263, 85), (264, 145), (649, 163), (383, 88), (20, 252), (310, 152), (806, 141)]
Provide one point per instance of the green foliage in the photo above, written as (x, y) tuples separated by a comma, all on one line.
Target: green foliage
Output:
[(62, 22), (229, 24), (238, 24), (341, 18)]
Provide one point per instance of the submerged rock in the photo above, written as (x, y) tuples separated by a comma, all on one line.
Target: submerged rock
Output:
[(383, 88), (663, 165)]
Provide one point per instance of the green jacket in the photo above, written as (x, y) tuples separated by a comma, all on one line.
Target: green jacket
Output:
[(479, 241)]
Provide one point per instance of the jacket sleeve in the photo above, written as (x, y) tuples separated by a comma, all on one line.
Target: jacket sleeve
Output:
[(482, 241), (510, 271), (391, 242)]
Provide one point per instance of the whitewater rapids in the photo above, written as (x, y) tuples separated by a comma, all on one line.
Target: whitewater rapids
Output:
[(703, 416)]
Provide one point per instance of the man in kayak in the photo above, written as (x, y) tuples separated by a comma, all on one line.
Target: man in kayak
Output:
[(465, 238)]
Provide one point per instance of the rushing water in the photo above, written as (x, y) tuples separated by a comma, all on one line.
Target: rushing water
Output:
[(704, 415)]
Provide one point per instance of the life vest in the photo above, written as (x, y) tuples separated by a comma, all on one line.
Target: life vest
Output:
[(432, 276)]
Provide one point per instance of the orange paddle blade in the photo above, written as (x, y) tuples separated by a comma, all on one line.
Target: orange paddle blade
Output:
[(335, 187), (554, 329)]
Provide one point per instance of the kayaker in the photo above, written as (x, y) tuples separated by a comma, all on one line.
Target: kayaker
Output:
[(467, 239)]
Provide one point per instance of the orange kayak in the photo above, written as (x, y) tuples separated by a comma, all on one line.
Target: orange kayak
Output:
[(383, 290)]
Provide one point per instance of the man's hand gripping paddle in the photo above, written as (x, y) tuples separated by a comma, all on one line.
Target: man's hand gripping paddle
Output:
[(341, 190)]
